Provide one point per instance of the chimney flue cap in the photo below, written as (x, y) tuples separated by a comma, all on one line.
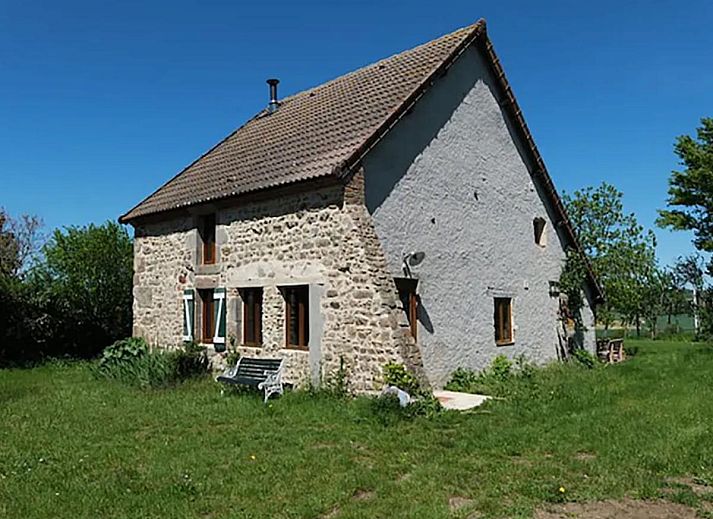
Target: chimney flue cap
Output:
[(272, 106)]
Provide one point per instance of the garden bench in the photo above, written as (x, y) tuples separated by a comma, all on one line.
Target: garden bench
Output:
[(263, 373), (610, 350)]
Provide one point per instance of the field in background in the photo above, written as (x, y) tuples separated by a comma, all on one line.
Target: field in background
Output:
[(680, 325), (76, 447)]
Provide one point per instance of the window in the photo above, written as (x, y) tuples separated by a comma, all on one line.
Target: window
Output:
[(207, 316), (503, 321), (409, 302), (539, 228), (296, 317), (206, 230), (252, 316)]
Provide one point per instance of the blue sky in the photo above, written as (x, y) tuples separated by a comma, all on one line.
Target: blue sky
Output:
[(101, 102)]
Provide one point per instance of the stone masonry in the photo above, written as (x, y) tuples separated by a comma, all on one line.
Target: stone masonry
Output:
[(323, 238)]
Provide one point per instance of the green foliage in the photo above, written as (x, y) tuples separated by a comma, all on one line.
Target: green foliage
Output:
[(584, 358), (232, 356), (691, 190), (87, 279), (336, 383), (619, 250), (423, 402), (397, 375), (130, 362), (631, 350), (501, 368), (493, 379), (123, 351)]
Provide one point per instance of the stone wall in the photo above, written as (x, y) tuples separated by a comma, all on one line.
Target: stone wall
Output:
[(322, 238)]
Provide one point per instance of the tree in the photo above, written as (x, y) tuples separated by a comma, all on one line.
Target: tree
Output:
[(19, 242), (691, 190), (86, 283), (689, 272), (620, 251)]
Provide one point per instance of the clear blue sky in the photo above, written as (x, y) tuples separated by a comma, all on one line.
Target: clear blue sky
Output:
[(101, 102)]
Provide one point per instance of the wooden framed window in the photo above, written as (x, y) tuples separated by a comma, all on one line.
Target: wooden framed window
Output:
[(207, 316), (252, 316), (206, 230), (503, 321), (538, 225), (296, 317), (409, 302)]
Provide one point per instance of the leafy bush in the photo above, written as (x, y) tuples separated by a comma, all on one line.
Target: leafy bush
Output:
[(397, 375), (232, 357), (386, 407), (123, 351), (130, 362), (337, 383), (584, 358), (501, 368), (491, 379), (190, 361)]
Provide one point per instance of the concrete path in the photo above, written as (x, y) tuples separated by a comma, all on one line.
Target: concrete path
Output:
[(459, 401)]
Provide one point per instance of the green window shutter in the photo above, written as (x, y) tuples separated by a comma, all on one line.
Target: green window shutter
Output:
[(189, 312), (219, 296)]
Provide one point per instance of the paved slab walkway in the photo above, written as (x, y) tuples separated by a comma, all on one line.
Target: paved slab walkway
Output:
[(457, 401)]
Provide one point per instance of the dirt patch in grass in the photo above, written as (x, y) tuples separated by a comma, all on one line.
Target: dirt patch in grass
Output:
[(585, 456), (458, 502), (624, 509), (698, 487), (363, 495), (334, 512)]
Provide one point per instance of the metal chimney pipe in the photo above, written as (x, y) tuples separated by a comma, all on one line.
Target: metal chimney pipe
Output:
[(273, 95)]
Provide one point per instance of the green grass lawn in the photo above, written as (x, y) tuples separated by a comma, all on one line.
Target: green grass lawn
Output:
[(72, 446)]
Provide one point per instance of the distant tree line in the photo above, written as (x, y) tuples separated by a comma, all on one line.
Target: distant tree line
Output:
[(69, 295)]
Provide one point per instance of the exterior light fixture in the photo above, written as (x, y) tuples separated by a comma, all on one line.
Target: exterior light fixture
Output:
[(413, 259)]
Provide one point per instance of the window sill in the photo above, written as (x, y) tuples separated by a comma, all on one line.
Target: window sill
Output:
[(505, 343), (208, 269), (304, 349), (250, 345)]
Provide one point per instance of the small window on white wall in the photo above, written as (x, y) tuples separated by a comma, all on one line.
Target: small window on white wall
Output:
[(538, 225)]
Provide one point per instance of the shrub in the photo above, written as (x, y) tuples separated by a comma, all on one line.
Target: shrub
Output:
[(123, 351), (387, 407), (336, 384), (397, 375), (190, 361), (584, 358), (463, 380), (130, 362), (232, 357), (388, 410), (495, 379), (501, 368)]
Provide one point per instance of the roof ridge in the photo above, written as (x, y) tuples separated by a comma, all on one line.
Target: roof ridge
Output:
[(382, 60), (414, 74)]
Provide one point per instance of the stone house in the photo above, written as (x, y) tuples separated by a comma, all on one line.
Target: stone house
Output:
[(399, 213)]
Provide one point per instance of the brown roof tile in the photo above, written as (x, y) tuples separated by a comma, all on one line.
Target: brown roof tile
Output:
[(311, 134)]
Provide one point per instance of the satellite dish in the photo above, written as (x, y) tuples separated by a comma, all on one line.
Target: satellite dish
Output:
[(415, 258)]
